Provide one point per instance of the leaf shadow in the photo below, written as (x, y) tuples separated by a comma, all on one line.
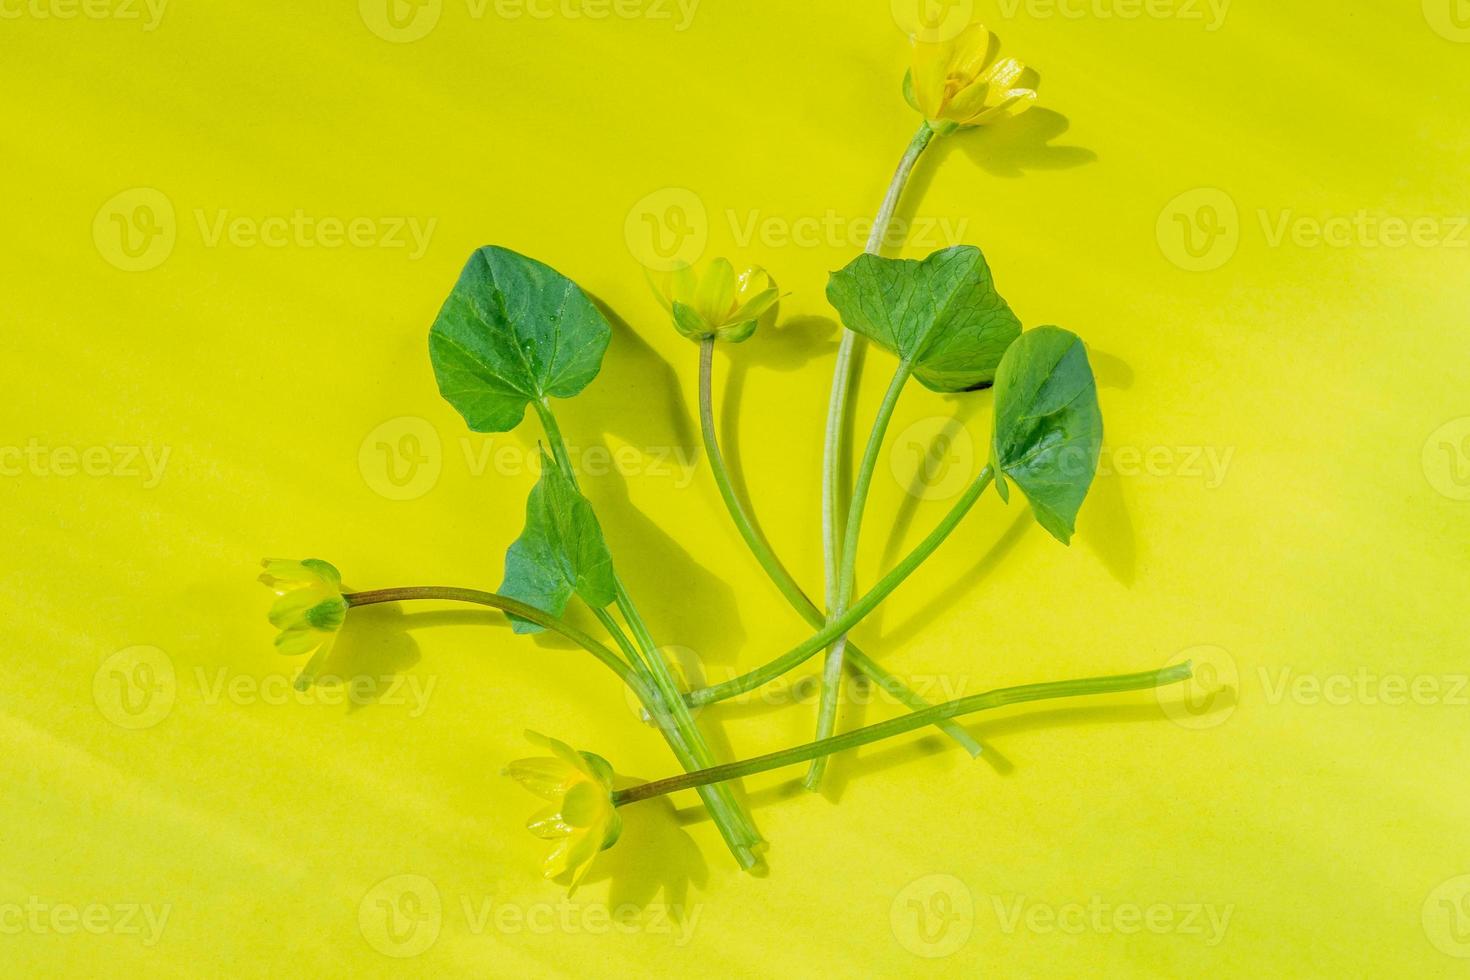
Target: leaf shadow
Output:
[(933, 469), (962, 583)]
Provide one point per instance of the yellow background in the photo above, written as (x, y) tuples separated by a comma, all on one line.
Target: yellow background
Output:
[(274, 831)]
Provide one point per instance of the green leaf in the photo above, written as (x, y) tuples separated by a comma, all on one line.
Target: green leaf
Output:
[(1048, 427), (513, 331), (942, 315), (561, 552)]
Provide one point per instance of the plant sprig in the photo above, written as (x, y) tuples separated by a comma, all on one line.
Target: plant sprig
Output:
[(515, 334)]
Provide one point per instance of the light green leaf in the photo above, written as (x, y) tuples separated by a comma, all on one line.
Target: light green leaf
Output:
[(1048, 426), (513, 331), (942, 315), (561, 552)]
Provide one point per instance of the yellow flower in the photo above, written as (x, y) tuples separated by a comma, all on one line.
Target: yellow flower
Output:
[(582, 817), (309, 611), (959, 83), (719, 304)]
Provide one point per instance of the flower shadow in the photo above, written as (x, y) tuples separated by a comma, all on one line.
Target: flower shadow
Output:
[(1018, 146)]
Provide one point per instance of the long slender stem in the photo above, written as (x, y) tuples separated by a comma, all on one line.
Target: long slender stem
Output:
[(785, 583), (859, 610), (530, 613), (907, 723), (844, 376), (678, 724), (836, 656)]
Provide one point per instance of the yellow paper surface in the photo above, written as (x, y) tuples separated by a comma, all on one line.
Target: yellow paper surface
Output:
[(228, 228)]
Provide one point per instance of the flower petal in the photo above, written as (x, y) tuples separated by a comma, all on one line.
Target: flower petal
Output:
[(973, 51), (586, 804), (1016, 102), (716, 291), (930, 70), (547, 778), (297, 641)]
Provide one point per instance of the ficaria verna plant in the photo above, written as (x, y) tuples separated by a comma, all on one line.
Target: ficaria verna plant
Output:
[(516, 335)]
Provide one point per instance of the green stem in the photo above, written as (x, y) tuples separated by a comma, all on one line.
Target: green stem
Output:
[(907, 723), (683, 735), (859, 611), (776, 570), (844, 377), (832, 674), (529, 613)]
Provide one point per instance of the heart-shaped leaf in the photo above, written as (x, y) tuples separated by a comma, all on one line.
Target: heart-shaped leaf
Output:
[(561, 552), (513, 331), (1048, 426), (942, 315)]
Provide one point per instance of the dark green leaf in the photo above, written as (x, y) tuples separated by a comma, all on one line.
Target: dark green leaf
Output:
[(942, 315), (513, 331), (561, 553), (1048, 427)]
